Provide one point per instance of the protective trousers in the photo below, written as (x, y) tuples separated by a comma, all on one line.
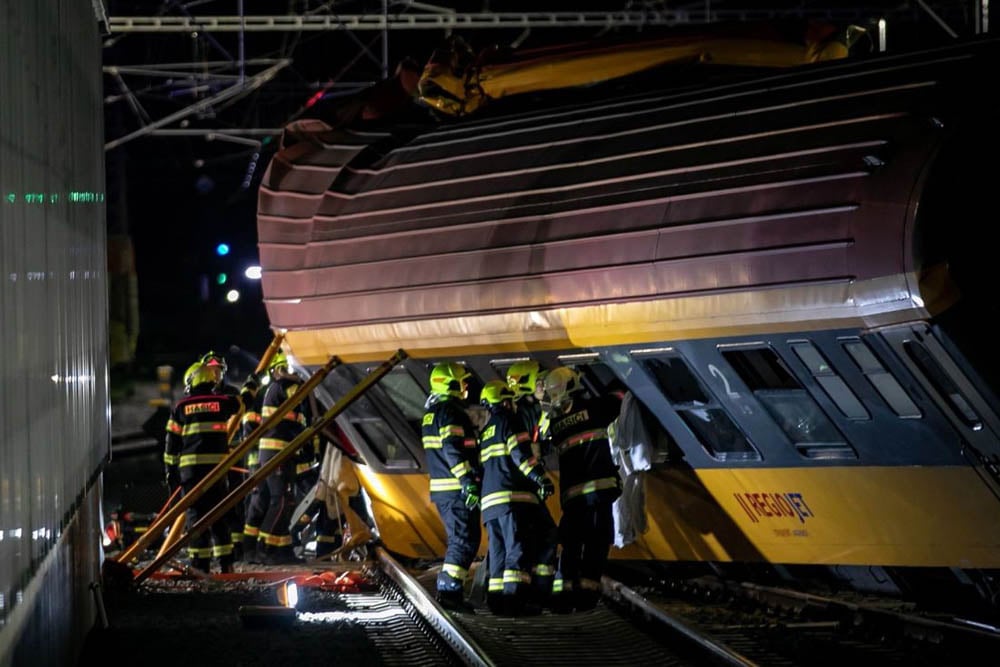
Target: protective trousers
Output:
[(257, 502), (462, 526), (275, 531), (542, 540), (586, 531), (510, 558), (214, 542)]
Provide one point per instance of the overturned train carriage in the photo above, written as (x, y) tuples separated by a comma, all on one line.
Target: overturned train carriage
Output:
[(788, 268)]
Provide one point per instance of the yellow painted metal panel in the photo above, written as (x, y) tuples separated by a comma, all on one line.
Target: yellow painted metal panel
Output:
[(919, 516), (407, 520)]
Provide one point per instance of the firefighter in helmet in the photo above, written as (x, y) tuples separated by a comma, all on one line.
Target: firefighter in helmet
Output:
[(275, 538), (514, 487), (196, 442), (258, 499), (588, 483), (236, 516), (449, 439), (525, 379)]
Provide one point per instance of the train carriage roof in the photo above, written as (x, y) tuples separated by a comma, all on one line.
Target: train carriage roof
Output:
[(647, 208)]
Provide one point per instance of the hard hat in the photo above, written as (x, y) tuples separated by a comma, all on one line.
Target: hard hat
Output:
[(448, 379), (189, 373), (495, 392), (279, 359), (211, 358), (560, 383), (206, 373), (522, 376)]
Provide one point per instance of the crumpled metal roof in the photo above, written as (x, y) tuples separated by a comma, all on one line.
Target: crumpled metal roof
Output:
[(628, 213)]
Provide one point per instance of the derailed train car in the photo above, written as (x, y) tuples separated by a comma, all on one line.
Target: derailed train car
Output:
[(788, 268)]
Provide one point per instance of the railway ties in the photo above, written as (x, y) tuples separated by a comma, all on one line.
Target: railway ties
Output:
[(787, 628), (600, 637), (374, 612)]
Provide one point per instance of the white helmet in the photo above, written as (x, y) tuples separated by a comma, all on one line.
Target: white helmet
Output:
[(560, 383)]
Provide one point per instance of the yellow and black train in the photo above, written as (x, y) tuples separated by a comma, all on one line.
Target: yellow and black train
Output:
[(789, 267)]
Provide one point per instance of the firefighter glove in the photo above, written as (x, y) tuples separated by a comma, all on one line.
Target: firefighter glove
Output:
[(545, 486), (470, 492), (251, 384), (173, 478)]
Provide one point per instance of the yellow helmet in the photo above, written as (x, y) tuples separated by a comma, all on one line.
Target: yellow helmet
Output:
[(495, 392), (522, 376), (279, 359), (448, 379), (188, 374), (560, 382), (202, 373), (212, 358)]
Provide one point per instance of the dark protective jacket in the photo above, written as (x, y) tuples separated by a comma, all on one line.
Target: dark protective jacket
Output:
[(452, 450), (251, 420), (196, 432), (586, 469), (529, 411), (291, 425), (510, 470)]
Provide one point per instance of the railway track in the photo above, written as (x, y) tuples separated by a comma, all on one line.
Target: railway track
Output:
[(377, 612), (786, 628)]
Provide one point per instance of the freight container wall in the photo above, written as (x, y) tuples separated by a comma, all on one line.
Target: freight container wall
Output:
[(54, 409)]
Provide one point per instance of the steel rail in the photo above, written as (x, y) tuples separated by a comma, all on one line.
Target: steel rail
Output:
[(460, 641), (725, 655)]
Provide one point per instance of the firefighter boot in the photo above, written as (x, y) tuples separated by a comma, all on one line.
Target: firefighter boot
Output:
[(250, 551), (453, 601)]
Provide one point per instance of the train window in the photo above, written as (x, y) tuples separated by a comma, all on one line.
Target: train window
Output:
[(404, 391), (709, 423), (943, 384), (599, 378), (788, 402), (381, 420), (885, 384), (383, 442), (832, 384)]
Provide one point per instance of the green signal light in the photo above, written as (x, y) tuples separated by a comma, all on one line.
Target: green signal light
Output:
[(221, 279)]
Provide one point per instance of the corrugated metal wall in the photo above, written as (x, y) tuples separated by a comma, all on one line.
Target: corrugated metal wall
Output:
[(54, 411)]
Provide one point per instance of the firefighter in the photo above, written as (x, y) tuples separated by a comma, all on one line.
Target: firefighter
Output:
[(514, 488), (257, 500), (235, 517), (275, 539), (196, 442), (524, 378), (588, 483), (449, 439)]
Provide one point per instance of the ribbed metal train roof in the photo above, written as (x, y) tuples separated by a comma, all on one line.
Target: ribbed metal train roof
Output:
[(635, 191)]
